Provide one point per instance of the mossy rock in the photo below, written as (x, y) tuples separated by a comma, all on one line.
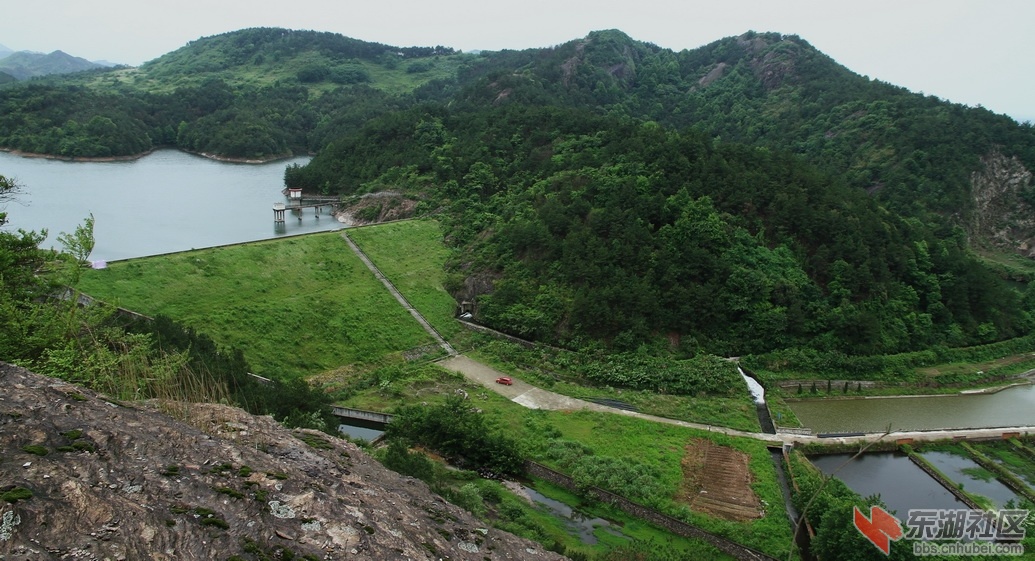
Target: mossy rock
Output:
[(17, 494), (35, 449)]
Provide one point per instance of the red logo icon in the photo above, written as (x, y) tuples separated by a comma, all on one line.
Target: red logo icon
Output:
[(880, 528)]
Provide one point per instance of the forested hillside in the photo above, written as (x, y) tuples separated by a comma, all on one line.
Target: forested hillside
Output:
[(745, 196), (573, 227), (251, 94)]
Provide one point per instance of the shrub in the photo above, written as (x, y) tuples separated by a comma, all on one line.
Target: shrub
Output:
[(456, 431), (213, 521), (171, 470), (400, 460), (470, 497)]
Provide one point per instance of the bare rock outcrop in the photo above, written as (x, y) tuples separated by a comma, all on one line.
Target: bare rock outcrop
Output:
[(84, 477), (1001, 215)]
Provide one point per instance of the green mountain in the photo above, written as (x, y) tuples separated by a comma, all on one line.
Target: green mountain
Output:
[(745, 196), (24, 64), (319, 61)]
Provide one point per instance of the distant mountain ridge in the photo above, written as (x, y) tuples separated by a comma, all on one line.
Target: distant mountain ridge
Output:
[(912, 152), (24, 64)]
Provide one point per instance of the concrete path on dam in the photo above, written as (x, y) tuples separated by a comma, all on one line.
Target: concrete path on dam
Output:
[(399, 297), (532, 397)]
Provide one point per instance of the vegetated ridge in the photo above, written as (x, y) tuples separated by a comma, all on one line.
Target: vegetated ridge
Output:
[(759, 195), (89, 478)]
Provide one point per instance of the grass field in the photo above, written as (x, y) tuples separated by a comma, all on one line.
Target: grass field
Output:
[(412, 255), (295, 306)]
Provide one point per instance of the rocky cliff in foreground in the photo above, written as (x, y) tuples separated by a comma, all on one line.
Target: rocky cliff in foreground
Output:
[(83, 477)]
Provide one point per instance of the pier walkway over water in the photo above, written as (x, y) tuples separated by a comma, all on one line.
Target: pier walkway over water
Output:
[(302, 202)]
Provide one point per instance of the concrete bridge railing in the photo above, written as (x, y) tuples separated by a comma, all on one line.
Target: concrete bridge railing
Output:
[(361, 415)]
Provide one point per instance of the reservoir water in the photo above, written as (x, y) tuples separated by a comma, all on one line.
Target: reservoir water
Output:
[(166, 201), (1011, 407), (966, 471), (900, 483)]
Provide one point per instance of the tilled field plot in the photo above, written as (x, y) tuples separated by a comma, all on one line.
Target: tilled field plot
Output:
[(717, 482)]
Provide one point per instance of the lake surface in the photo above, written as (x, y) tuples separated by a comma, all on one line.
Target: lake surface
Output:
[(164, 202), (1010, 407)]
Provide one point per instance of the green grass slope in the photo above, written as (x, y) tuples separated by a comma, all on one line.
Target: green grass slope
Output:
[(295, 306), (411, 254)]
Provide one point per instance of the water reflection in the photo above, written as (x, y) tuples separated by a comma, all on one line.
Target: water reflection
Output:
[(964, 470), (363, 433)]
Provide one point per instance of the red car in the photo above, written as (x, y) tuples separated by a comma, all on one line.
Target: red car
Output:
[(505, 380)]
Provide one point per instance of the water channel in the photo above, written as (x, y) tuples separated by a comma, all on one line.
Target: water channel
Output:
[(576, 522), (163, 202), (353, 429)]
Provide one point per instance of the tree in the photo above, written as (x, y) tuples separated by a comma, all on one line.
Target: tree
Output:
[(78, 245), (460, 433), (22, 283), (8, 190)]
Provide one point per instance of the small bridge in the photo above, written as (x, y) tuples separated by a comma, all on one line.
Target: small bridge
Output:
[(361, 415)]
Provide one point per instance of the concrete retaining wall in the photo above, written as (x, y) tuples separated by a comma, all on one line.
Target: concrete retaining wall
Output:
[(362, 415), (487, 331)]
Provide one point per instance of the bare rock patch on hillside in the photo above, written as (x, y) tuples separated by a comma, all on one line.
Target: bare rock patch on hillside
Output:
[(115, 481)]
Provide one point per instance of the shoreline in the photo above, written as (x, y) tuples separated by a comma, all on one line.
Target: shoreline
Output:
[(134, 157), (963, 392)]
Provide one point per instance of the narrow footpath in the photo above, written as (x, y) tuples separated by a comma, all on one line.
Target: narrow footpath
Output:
[(398, 296)]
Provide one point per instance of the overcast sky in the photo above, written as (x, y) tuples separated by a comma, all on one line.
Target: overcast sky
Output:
[(977, 52)]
